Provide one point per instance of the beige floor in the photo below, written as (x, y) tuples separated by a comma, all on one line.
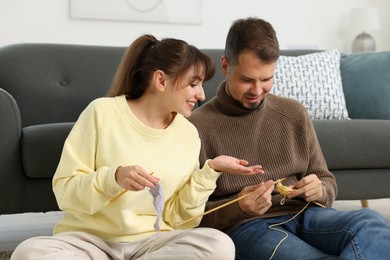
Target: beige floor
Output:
[(380, 205), (12, 226)]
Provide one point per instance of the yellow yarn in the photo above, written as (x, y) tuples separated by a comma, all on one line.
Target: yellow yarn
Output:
[(283, 190)]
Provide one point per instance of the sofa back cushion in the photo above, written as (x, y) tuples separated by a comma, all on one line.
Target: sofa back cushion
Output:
[(366, 83), (54, 82)]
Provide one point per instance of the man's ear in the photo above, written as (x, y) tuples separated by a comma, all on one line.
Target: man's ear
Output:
[(224, 65), (160, 80)]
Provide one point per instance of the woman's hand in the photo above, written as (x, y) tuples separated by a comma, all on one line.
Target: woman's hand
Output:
[(228, 164), (134, 178)]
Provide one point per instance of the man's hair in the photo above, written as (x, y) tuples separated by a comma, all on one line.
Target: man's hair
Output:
[(252, 34)]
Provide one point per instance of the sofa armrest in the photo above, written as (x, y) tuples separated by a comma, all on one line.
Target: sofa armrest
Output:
[(355, 144), (42, 147), (11, 171)]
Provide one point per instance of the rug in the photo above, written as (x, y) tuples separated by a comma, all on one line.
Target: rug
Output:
[(5, 255)]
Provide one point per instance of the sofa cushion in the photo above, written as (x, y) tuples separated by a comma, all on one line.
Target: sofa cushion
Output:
[(360, 184), (366, 83), (315, 81), (41, 148), (354, 144)]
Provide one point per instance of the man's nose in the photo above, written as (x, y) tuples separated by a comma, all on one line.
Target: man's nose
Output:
[(257, 88)]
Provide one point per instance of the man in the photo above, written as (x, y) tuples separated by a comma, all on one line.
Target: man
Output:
[(245, 121)]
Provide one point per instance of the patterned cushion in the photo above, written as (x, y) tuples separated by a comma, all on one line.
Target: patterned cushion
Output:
[(315, 81)]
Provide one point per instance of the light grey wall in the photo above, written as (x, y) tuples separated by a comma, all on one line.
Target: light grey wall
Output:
[(319, 24)]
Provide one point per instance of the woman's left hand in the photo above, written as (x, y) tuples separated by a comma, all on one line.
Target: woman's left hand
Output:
[(232, 165)]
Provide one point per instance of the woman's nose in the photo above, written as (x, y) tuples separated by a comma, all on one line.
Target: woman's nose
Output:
[(200, 94)]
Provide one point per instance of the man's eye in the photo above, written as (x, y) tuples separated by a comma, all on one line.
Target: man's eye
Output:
[(246, 80)]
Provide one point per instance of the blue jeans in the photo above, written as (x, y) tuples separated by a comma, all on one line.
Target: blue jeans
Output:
[(317, 233)]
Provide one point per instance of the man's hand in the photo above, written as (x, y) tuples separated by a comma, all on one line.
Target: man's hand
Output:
[(309, 188), (259, 201), (228, 164)]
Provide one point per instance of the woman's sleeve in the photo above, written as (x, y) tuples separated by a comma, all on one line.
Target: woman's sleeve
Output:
[(77, 185), (190, 199)]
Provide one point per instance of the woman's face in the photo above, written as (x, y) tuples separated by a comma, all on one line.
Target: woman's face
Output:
[(187, 91)]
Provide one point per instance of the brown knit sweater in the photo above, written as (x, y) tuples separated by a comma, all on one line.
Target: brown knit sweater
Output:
[(279, 135)]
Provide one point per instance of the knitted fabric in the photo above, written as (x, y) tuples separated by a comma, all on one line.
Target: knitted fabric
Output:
[(158, 203)]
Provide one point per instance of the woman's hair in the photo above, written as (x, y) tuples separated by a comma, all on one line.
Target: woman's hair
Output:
[(147, 54), (252, 34)]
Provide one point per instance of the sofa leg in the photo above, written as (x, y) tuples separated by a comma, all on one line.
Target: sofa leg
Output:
[(364, 203)]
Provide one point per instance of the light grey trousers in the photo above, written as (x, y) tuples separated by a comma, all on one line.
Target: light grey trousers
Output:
[(198, 243)]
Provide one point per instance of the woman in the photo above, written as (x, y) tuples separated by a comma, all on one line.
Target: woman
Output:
[(128, 143)]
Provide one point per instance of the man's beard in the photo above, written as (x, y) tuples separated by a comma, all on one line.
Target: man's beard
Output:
[(249, 107)]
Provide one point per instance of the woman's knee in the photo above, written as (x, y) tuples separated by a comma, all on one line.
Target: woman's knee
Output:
[(27, 249)]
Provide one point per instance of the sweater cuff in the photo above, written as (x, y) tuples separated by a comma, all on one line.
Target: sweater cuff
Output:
[(112, 187), (207, 175)]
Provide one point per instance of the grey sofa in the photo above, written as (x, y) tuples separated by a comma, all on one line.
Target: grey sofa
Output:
[(44, 87)]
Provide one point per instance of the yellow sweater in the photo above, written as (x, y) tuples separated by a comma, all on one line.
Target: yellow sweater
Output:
[(106, 135)]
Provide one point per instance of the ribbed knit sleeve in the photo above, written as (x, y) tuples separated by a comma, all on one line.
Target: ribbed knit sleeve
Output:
[(279, 136)]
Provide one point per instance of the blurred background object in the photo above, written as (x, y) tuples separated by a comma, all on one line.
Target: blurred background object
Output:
[(365, 19)]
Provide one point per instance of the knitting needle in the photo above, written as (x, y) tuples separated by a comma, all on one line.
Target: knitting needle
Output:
[(123, 192), (117, 196), (226, 204), (212, 210), (216, 208), (318, 204)]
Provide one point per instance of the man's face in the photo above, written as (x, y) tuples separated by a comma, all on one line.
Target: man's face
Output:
[(250, 80)]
